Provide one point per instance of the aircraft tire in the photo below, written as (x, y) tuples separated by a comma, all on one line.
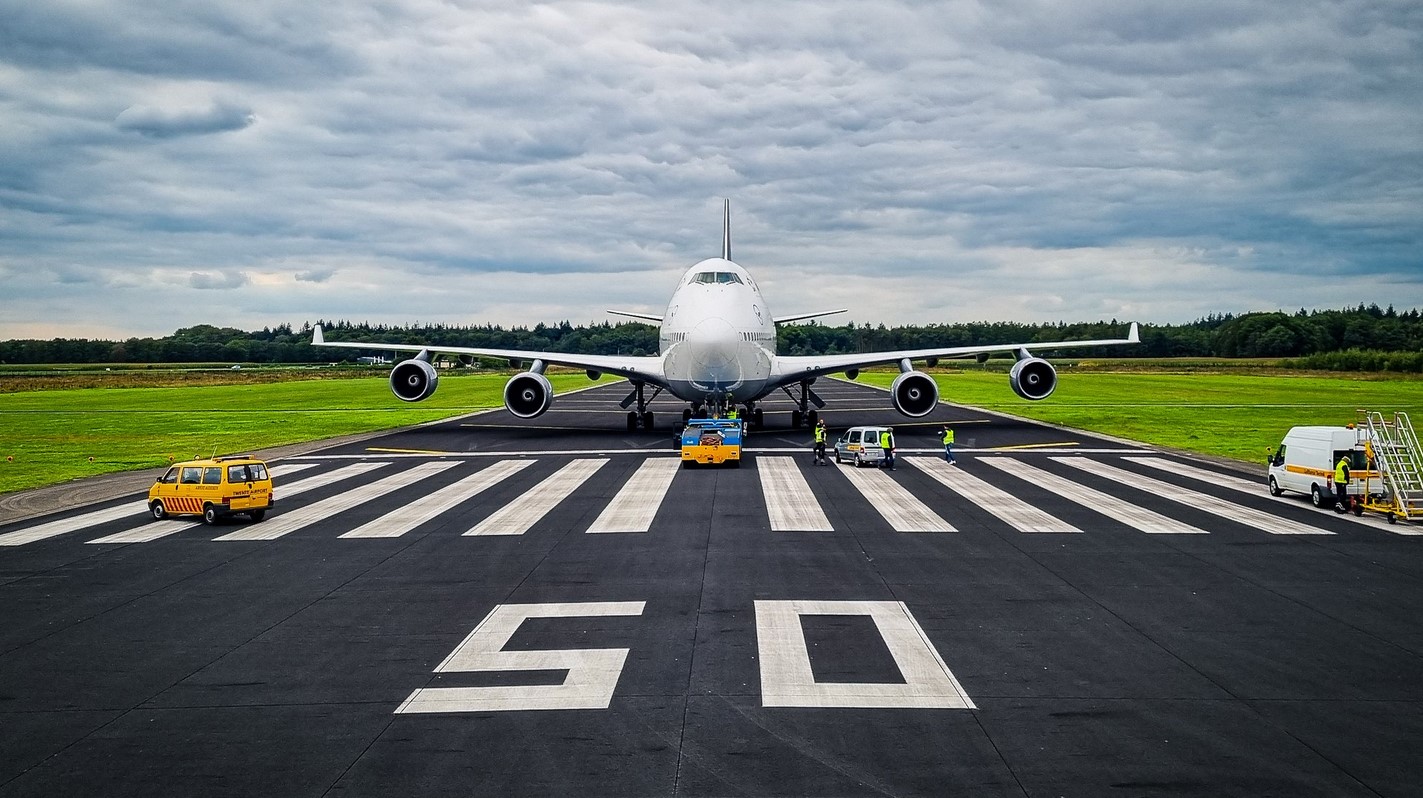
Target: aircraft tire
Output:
[(647, 420), (795, 419), (632, 421)]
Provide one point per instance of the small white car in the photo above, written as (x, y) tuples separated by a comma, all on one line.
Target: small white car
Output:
[(860, 445)]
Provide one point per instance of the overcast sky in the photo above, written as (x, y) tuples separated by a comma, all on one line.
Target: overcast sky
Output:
[(246, 163)]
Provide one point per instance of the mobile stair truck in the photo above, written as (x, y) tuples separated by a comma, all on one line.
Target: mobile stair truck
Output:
[(711, 441), (1394, 485)]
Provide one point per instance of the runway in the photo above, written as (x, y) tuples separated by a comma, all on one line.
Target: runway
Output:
[(487, 606)]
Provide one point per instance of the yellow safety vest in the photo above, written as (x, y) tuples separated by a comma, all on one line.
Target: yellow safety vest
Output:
[(1341, 471), (948, 436), (820, 435), (884, 440)]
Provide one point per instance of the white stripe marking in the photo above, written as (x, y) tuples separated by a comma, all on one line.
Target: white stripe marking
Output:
[(633, 509), (789, 501), (1249, 516), (1254, 489), (161, 529), (292, 520), (1003, 505), (395, 524), (898, 506), (1104, 503), (516, 517)]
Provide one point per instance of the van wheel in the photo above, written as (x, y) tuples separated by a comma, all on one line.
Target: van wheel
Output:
[(837, 457), (1317, 498), (257, 515), (158, 510), (1275, 487), (210, 515)]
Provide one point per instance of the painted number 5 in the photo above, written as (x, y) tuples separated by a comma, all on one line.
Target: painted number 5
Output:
[(592, 673)]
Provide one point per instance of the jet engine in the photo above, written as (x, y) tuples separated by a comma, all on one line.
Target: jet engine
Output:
[(914, 393), (413, 380), (1033, 378), (528, 394)]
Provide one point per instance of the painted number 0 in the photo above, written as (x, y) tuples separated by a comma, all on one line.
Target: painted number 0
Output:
[(786, 676)]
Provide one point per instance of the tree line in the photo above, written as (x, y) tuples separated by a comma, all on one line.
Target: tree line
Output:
[(1366, 338)]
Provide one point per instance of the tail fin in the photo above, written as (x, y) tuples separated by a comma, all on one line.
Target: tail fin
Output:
[(726, 230)]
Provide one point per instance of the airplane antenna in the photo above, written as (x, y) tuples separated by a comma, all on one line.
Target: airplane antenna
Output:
[(726, 230)]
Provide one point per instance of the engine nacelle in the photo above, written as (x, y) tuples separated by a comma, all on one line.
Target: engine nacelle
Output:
[(914, 393), (1033, 378), (528, 394), (413, 380)]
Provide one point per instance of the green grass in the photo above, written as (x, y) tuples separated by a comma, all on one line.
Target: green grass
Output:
[(51, 434), (1226, 414)]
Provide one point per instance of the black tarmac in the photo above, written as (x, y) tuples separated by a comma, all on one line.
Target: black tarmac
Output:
[(1110, 661)]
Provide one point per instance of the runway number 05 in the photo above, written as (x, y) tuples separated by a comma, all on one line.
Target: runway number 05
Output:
[(786, 676)]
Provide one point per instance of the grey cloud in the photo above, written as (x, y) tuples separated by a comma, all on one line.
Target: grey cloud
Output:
[(220, 281), (315, 275), (171, 122)]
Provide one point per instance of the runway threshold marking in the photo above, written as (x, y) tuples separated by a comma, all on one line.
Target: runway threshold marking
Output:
[(789, 501), (1126, 512), (155, 530), (898, 506), (518, 516), (293, 520), (633, 509), (1254, 489), (1265, 522), (425, 508), (1003, 505)]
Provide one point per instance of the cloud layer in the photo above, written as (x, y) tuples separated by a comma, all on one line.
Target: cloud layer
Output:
[(471, 163)]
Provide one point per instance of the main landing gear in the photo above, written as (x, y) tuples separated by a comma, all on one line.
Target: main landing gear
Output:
[(803, 411), (641, 417)]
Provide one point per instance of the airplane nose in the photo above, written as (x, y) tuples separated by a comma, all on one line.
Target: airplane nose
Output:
[(714, 341)]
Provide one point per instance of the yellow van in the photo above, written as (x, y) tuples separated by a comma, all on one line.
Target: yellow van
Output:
[(213, 488)]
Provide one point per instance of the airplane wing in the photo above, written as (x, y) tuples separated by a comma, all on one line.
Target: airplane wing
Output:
[(636, 368), (793, 368)]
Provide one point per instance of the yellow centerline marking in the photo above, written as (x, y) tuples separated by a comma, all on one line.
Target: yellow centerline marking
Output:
[(1031, 446)]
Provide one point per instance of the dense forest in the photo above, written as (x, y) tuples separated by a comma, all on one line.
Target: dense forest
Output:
[(1363, 338)]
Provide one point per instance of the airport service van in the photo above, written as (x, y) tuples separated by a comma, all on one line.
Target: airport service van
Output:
[(1305, 461), (860, 445), (213, 488)]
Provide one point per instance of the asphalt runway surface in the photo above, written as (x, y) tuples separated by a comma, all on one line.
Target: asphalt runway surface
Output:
[(492, 607)]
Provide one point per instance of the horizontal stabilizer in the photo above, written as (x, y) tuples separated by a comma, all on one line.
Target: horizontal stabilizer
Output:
[(631, 314), (802, 316)]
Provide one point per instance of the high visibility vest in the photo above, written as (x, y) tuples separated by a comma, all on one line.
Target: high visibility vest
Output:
[(820, 435), (1341, 471), (884, 440), (948, 436)]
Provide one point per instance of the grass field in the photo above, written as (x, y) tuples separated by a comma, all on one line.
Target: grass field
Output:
[(48, 436), (54, 422), (1228, 414)]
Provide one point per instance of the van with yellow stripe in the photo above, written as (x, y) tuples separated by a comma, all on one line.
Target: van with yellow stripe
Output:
[(1305, 462), (213, 488)]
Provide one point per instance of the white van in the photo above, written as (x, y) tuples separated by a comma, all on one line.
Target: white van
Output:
[(860, 445), (1304, 463)]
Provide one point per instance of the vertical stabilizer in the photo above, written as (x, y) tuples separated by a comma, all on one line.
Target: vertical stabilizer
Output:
[(726, 230)]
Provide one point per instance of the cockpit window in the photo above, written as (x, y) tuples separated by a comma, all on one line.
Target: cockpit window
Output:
[(716, 277)]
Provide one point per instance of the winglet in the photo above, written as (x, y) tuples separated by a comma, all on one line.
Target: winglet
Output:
[(726, 230), (1134, 336), (316, 337)]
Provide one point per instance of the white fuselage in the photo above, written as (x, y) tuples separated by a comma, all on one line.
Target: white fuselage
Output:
[(717, 340)]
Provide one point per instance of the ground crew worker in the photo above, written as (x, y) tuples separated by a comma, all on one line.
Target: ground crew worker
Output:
[(948, 437), (886, 442), (820, 444), (731, 414), (1341, 484)]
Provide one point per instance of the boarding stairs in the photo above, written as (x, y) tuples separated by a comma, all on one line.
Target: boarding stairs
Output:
[(1399, 460)]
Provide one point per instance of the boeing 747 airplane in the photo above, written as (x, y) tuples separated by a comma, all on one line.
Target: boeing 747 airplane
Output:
[(717, 349)]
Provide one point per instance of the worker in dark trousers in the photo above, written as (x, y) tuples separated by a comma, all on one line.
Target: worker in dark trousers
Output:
[(947, 435), (886, 442), (1341, 484), (820, 443)]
